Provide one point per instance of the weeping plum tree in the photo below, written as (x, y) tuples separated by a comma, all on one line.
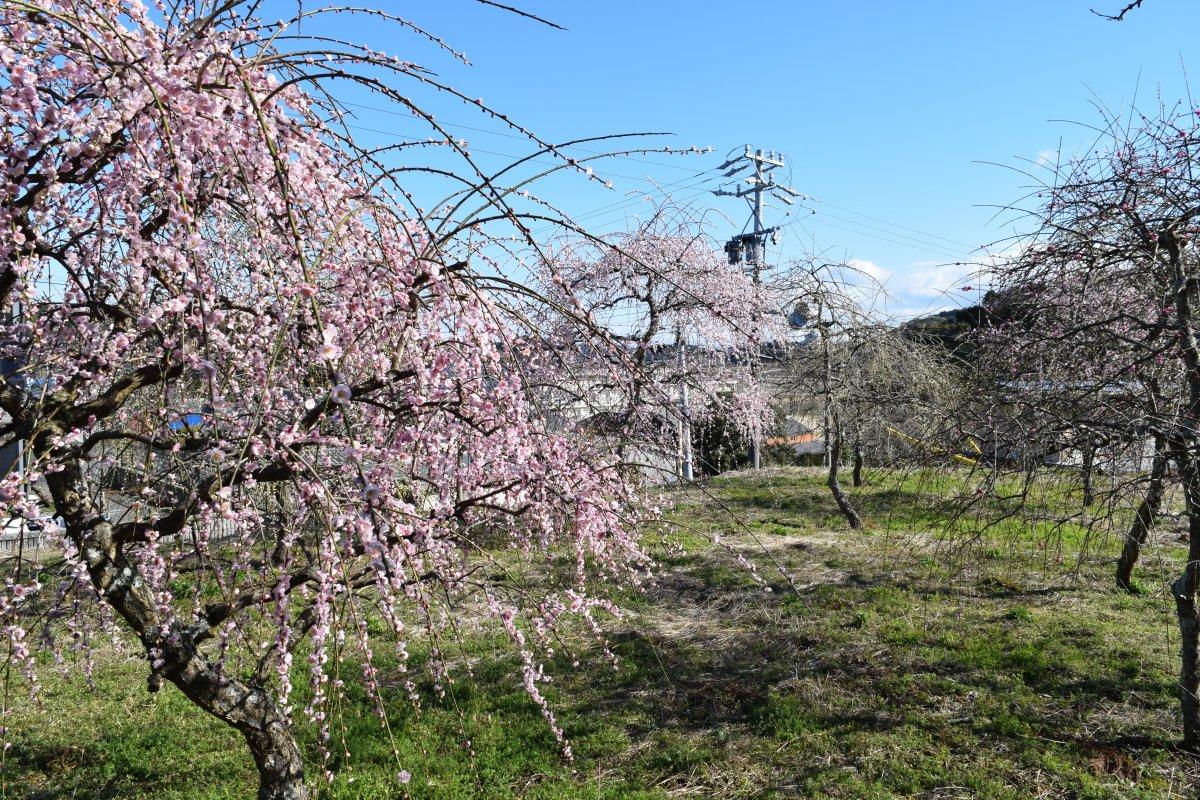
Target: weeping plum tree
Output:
[(861, 376), (257, 388), (1104, 338), (691, 325)]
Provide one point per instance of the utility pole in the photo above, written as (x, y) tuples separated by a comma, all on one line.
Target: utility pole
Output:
[(685, 420), (751, 248)]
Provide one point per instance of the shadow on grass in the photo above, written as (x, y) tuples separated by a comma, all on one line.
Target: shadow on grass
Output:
[(875, 661)]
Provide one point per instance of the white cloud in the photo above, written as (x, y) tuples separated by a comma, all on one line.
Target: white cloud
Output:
[(905, 313), (934, 281), (1047, 158), (919, 288), (870, 269)]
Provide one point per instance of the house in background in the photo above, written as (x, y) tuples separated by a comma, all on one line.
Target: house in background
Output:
[(803, 436)]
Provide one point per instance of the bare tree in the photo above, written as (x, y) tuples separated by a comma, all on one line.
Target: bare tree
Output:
[(869, 382), (1102, 335)]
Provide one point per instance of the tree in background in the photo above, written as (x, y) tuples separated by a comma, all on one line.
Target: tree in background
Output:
[(865, 379), (692, 327), (719, 445), (1104, 342)]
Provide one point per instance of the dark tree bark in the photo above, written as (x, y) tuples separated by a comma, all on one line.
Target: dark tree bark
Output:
[(1186, 438), (1143, 521), (1185, 588), (856, 473), (835, 460), (174, 654), (1123, 12), (250, 710)]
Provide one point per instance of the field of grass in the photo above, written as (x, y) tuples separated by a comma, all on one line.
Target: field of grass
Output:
[(888, 662)]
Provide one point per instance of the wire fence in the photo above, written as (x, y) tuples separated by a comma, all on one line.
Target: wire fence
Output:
[(14, 540)]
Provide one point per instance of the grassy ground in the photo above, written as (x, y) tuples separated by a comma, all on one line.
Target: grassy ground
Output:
[(890, 662)]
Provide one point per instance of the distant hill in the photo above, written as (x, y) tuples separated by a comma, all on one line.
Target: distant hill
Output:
[(954, 330)]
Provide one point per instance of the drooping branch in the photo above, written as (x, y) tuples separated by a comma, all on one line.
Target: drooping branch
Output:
[(1122, 13)]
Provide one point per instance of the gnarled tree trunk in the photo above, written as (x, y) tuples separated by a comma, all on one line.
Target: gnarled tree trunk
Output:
[(1185, 588), (1184, 440), (1143, 521), (246, 707), (835, 487), (250, 710)]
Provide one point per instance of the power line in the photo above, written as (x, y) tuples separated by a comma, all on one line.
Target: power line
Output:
[(519, 137), (922, 239), (939, 254), (912, 242), (925, 234), (882, 230), (624, 204)]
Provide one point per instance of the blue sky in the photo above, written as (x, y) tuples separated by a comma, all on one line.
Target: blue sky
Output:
[(884, 109)]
